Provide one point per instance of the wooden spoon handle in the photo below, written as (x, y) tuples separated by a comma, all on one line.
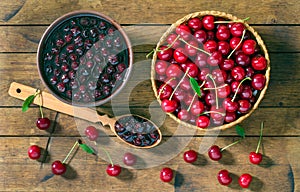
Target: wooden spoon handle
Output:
[(20, 91)]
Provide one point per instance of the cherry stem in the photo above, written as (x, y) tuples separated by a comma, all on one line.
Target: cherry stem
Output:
[(244, 32), (188, 109), (260, 136), (234, 21), (231, 145), (207, 112), (195, 47), (68, 155), (179, 83), (210, 76), (168, 47), (237, 89), (160, 92), (40, 104), (215, 88), (107, 154)]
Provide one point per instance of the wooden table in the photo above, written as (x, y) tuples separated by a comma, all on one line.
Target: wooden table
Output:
[(22, 24)]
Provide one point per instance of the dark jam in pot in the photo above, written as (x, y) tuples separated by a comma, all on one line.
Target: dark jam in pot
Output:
[(137, 131), (84, 58)]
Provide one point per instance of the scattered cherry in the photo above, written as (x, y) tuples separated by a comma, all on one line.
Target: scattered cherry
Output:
[(190, 156), (256, 157), (129, 159), (113, 170), (43, 123), (92, 133), (166, 174), (214, 153), (58, 168), (224, 177), (34, 152), (245, 180)]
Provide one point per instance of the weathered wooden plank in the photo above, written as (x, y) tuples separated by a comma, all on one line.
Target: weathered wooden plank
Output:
[(144, 38), (85, 172), (44, 12), (283, 89), (278, 122)]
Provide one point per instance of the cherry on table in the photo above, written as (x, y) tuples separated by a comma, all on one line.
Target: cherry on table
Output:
[(43, 123), (58, 168), (92, 133), (245, 180), (34, 152), (214, 153), (190, 156), (224, 177), (166, 174), (255, 158), (113, 170), (129, 159)]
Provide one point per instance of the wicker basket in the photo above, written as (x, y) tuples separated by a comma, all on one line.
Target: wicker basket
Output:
[(227, 17)]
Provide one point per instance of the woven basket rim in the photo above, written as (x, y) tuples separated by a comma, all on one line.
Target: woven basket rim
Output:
[(225, 16)]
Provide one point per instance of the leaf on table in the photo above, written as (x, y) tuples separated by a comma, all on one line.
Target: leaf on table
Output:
[(87, 148), (47, 177), (195, 86), (240, 131), (27, 102)]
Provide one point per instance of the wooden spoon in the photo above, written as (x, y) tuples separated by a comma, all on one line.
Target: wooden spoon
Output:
[(20, 91)]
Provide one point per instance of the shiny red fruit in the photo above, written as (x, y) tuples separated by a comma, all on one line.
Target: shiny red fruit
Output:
[(195, 23), (91, 133), (249, 46), (164, 53), (245, 180), (58, 168), (164, 91), (43, 123), (180, 55), (259, 63), (169, 106), (166, 174), (129, 159), (113, 170), (161, 67), (184, 31), (202, 121), (208, 22), (174, 71), (258, 81), (214, 153), (34, 152), (190, 156), (224, 177), (255, 158)]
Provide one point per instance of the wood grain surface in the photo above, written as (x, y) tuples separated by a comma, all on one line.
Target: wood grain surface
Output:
[(22, 23)]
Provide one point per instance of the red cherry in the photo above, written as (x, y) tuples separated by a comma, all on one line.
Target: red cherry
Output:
[(129, 159), (201, 36), (113, 170), (227, 64), (171, 41), (224, 177), (242, 59), (195, 23), (249, 46), (185, 84), (165, 91), (169, 106), (34, 152), (43, 123), (237, 29), (244, 106), (180, 55), (258, 81), (183, 115), (230, 117), (219, 76), (193, 69), (215, 58), (214, 153), (202, 121), (190, 156), (174, 71), (164, 53), (245, 180), (210, 46), (217, 114), (200, 60), (223, 47), (203, 73), (171, 81), (92, 133), (224, 91), (230, 106), (184, 31), (197, 108), (208, 22), (234, 85), (246, 93), (238, 73), (223, 33), (234, 41), (166, 174), (190, 48), (58, 168), (259, 63), (161, 67), (255, 158)]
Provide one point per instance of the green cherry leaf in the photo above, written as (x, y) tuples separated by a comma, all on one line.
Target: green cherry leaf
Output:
[(240, 131), (87, 148), (195, 86), (27, 102)]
